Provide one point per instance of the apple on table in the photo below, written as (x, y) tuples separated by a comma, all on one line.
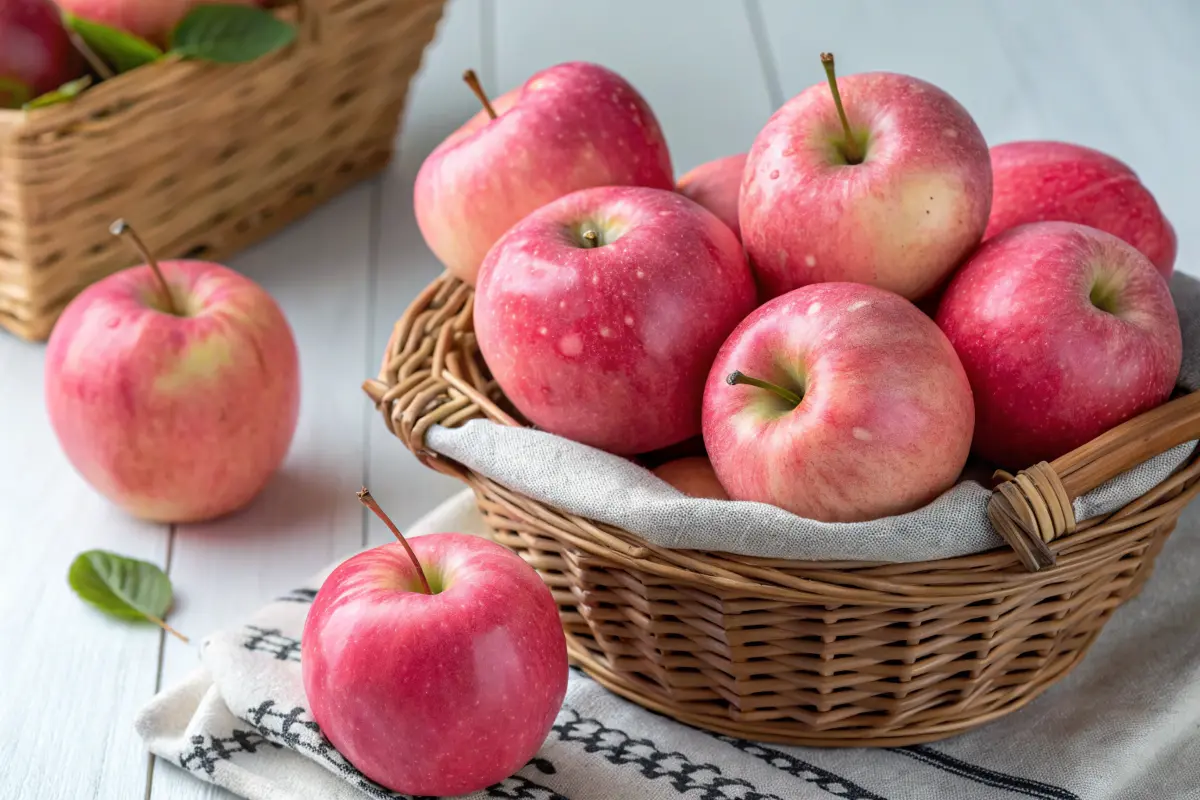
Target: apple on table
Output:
[(435, 667), (1047, 181), (35, 54), (839, 402), (875, 178), (571, 126), (600, 313), (1065, 331), (716, 185), (173, 387)]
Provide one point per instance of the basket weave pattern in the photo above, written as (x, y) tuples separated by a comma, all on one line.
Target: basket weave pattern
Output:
[(203, 159), (822, 653)]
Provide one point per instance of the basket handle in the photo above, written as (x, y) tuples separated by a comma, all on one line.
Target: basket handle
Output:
[(1033, 507)]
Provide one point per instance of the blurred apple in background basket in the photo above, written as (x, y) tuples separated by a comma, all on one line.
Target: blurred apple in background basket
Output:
[(716, 185), (600, 313), (176, 400), (35, 54), (150, 19), (1065, 331), (1056, 181), (694, 476), (838, 402), (896, 202), (571, 126)]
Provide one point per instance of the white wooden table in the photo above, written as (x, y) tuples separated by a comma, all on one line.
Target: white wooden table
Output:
[(1123, 77)]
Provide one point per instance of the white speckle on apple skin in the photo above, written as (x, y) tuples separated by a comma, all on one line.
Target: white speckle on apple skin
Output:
[(862, 434), (596, 279), (813, 309), (857, 304), (810, 260), (571, 345), (628, 320), (606, 333), (542, 331), (641, 274), (950, 133)]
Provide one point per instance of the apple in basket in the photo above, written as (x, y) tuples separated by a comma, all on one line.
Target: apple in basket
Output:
[(1065, 331), (838, 402), (150, 19), (1056, 181), (600, 313), (716, 185), (436, 667), (173, 388), (875, 178), (571, 126), (35, 54)]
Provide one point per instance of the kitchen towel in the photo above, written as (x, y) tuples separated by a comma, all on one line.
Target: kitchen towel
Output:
[(1124, 725), (617, 491)]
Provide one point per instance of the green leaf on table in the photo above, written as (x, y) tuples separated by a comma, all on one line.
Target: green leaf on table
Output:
[(122, 587), (62, 94), (230, 34), (121, 50)]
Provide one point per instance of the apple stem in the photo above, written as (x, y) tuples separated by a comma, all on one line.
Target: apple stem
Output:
[(97, 63), (122, 228), (850, 150), (591, 239), (473, 81), (737, 377), (369, 502)]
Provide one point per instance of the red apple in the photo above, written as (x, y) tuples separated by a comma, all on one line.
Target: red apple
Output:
[(600, 313), (150, 19), (694, 476), (35, 54), (571, 126), (440, 693), (715, 185), (1064, 331), (1056, 181), (898, 204), (176, 410), (838, 402)]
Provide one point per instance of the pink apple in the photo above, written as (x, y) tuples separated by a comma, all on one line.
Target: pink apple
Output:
[(35, 54), (1056, 181), (150, 19), (600, 313), (715, 185), (694, 476), (1064, 331), (571, 126), (838, 402), (437, 694), (176, 414), (898, 205)]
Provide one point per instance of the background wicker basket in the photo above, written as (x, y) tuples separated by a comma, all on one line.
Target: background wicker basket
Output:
[(827, 654), (202, 159)]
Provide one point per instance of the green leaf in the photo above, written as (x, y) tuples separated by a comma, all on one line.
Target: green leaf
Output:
[(62, 94), (121, 50), (122, 587), (230, 34)]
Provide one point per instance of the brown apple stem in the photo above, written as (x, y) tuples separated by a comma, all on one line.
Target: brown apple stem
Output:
[(102, 69), (473, 81), (122, 228), (736, 378), (167, 628), (850, 150), (591, 239), (370, 503)]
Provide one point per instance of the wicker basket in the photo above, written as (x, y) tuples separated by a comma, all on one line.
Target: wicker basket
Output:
[(203, 159), (827, 654)]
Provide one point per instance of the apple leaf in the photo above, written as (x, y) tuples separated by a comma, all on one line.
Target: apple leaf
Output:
[(62, 94), (122, 587), (13, 93), (230, 34), (121, 50)]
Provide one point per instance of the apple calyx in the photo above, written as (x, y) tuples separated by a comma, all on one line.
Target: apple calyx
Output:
[(120, 229), (591, 239), (369, 502), (472, 80), (850, 148), (736, 377)]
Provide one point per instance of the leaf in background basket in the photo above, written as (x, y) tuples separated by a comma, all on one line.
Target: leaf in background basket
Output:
[(123, 587), (62, 94), (13, 93), (122, 51), (230, 34)]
